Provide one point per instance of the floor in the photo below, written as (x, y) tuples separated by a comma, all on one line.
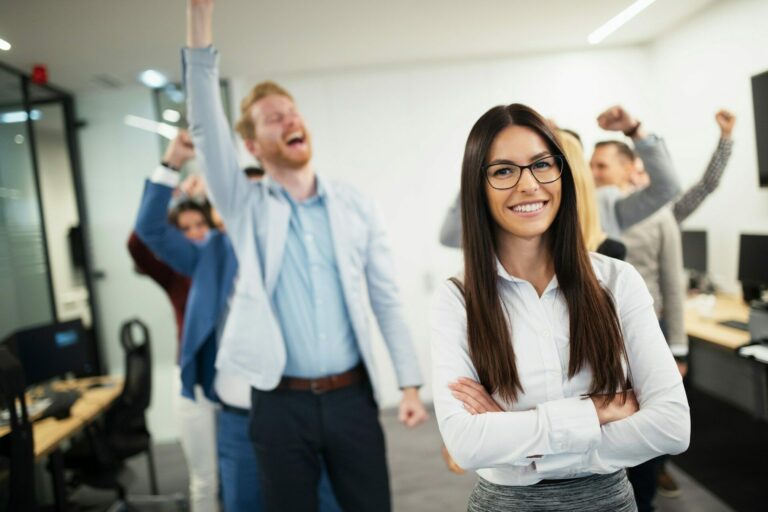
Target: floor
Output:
[(420, 481)]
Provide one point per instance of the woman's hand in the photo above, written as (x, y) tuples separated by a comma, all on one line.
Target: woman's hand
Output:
[(622, 406), (473, 395)]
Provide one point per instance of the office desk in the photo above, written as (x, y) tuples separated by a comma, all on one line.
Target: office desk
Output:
[(50, 432), (715, 366), (706, 328), (729, 435)]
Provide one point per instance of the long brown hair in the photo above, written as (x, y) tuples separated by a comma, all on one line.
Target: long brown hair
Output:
[(595, 333)]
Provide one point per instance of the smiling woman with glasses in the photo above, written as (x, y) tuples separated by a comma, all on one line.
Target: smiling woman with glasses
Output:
[(551, 374)]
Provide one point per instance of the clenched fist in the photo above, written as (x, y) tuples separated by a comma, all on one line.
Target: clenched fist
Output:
[(616, 119), (725, 120)]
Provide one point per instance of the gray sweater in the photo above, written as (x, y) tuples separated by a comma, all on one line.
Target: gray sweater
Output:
[(654, 248), (618, 212)]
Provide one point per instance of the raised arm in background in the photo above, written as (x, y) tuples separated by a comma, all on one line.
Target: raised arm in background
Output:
[(710, 180)]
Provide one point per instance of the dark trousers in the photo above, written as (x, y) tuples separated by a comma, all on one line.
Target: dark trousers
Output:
[(644, 478), (290, 430)]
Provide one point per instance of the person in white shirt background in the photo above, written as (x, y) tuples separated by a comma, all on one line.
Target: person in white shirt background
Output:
[(550, 371)]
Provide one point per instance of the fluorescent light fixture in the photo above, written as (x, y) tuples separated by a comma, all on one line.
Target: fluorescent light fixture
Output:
[(142, 123), (172, 116), (19, 116), (152, 78), (618, 21), (4, 45)]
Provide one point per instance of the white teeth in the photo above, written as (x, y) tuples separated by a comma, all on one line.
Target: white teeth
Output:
[(295, 136), (530, 207)]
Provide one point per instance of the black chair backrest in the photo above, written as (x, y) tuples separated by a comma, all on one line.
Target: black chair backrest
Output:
[(21, 443), (128, 411)]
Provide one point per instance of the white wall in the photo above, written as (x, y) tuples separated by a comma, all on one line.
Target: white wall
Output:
[(116, 160), (60, 210), (705, 65)]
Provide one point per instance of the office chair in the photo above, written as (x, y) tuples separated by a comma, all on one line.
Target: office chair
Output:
[(19, 443), (98, 459)]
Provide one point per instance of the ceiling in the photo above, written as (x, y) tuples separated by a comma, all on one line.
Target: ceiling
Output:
[(82, 39)]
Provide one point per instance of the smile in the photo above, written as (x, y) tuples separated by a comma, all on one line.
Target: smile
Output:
[(529, 207)]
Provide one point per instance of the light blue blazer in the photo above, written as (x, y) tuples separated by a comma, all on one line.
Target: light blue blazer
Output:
[(257, 218)]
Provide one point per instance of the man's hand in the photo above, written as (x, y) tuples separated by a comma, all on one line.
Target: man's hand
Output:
[(180, 150), (473, 395), (193, 186), (615, 410), (725, 120), (682, 366), (199, 23), (617, 119), (412, 411)]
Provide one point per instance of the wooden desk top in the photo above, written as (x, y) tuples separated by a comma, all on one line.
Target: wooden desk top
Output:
[(707, 328), (50, 432)]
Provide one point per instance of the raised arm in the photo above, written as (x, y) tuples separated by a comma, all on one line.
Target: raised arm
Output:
[(696, 195), (227, 185), (152, 227), (450, 232), (663, 187), (147, 263)]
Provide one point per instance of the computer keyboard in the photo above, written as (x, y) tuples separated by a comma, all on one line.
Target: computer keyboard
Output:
[(50, 403), (34, 409), (61, 402), (735, 324)]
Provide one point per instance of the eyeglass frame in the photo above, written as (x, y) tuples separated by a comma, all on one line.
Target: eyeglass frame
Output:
[(522, 168)]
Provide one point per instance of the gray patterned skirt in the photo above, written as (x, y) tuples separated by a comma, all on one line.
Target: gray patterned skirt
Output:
[(595, 493)]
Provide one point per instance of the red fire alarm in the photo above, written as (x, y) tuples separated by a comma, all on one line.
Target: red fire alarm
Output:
[(39, 74)]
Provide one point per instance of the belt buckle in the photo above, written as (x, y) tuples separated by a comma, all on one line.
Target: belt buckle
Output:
[(317, 388)]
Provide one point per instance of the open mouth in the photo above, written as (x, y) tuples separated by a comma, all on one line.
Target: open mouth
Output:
[(529, 208), (295, 139)]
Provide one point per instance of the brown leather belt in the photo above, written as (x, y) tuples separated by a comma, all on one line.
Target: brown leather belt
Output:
[(325, 384)]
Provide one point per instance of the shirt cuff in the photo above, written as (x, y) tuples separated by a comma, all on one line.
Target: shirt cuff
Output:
[(573, 424), (207, 56), (557, 463), (679, 350), (650, 140), (165, 176)]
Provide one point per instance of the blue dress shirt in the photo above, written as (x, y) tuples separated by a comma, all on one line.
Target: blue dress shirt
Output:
[(308, 296)]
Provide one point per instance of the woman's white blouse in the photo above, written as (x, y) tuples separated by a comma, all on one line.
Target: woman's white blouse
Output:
[(551, 431)]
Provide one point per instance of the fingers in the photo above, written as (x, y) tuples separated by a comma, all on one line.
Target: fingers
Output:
[(476, 401), (412, 415), (470, 402)]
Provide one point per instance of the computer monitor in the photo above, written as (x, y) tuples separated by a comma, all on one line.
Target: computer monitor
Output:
[(760, 102), (51, 350), (753, 271), (695, 251)]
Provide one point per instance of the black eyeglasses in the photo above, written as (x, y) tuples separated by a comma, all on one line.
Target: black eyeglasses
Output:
[(505, 175)]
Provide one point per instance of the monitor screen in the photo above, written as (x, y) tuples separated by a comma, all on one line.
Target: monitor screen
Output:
[(753, 255), (695, 250), (760, 101), (52, 350)]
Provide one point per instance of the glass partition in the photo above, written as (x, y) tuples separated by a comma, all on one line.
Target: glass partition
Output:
[(25, 287)]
